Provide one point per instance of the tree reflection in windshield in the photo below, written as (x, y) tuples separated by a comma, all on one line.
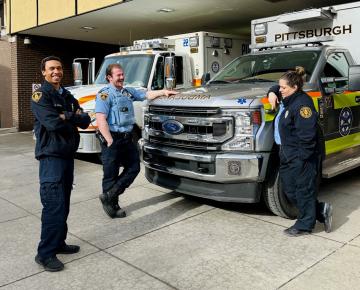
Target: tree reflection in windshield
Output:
[(266, 67)]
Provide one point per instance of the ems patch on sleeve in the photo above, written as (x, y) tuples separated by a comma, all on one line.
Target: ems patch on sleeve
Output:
[(305, 112), (36, 96), (104, 96)]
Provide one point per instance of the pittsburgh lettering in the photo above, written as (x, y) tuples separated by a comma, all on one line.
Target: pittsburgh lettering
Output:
[(318, 32)]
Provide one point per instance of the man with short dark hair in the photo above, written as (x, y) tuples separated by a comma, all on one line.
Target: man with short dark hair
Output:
[(115, 119), (57, 116)]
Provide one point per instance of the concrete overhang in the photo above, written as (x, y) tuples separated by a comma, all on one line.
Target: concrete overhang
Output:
[(122, 23)]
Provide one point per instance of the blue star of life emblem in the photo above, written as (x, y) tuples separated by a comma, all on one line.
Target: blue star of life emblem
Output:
[(345, 121), (241, 101)]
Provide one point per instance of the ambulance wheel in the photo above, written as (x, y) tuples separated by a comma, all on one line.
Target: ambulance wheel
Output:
[(276, 200)]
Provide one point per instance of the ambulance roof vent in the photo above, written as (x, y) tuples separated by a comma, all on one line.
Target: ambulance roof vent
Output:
[(306, 15)]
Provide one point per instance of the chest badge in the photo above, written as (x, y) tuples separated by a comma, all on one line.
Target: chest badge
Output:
[(286, 114), (36, 96), (103, 96), (305, 112)]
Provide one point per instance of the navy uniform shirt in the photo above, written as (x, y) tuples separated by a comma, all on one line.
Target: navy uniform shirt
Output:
[(117, 105), (54, 136), (298, 127)]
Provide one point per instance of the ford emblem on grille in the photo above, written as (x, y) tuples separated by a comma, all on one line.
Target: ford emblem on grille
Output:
[(172, 127)]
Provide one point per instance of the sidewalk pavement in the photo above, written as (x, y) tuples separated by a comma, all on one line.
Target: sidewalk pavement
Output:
[(168, 241)]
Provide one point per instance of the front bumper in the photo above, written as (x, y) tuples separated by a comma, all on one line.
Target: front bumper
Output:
[(233, 177), (88, 142)]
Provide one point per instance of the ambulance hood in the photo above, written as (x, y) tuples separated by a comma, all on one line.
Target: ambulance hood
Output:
[(244, 95)]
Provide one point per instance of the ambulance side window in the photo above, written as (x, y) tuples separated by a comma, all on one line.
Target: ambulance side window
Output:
[(337, 66)]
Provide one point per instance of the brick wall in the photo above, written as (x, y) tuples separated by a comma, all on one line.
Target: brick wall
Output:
[(5, 85), (25, 65)]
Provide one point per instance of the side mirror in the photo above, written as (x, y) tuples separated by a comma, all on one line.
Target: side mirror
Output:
[(77, 73), (170, 77), (91, 71), (354, 78), (205, 78), (333, 85)]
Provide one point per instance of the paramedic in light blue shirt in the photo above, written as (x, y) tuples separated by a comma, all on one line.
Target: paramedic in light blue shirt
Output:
[(274, 96), (115, 119)]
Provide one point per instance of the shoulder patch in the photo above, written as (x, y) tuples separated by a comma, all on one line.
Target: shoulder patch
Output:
[(305, 112), (36, 96), (104, 96)]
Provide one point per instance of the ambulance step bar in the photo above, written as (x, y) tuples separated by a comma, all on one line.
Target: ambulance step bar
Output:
[(333, 166)]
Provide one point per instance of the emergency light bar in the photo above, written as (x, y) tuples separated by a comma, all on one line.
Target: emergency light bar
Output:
[(159, 43), (292, 42)]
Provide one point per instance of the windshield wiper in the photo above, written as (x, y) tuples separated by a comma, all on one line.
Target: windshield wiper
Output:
[(256, 80), (219, 82)]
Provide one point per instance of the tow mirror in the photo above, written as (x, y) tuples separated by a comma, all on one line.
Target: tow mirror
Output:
[(205, 78), (77, 70), (170, 77), (354, 78), (77, 73)]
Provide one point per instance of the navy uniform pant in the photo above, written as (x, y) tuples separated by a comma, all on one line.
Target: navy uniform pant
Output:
[(56, 179), (122, 152), (299, 182)]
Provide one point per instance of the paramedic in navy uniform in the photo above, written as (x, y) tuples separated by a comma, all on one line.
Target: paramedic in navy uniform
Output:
[(299, 149), (115, 119), (57, 116)]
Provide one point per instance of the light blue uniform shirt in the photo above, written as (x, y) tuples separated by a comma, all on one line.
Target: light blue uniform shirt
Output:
[(118, 107), (276, 125)]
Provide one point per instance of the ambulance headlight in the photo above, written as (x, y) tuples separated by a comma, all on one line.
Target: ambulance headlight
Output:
[(260, 29), (246, 126)]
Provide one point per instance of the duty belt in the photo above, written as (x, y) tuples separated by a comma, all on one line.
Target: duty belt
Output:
[(121, 135)]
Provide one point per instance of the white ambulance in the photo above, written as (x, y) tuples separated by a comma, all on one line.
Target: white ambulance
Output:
[(216, 141), (195, 54)]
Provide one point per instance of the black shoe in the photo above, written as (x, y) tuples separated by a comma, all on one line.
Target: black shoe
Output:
[(327, 213), (69, 249), (51, 264), (120, 213), (293, 232), (107, 204)]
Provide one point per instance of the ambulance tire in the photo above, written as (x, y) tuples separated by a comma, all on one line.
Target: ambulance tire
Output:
[(276, 200)]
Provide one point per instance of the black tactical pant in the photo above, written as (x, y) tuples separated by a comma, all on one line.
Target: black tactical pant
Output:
[(56, 179), (299, 182), (122, 152)]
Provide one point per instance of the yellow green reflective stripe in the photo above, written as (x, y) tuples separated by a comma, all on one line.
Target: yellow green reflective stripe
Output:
[(269, 117), (345, 100), (339, 144), (316, 103)]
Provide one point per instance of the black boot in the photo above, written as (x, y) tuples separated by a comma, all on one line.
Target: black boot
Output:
[(107, 200), (120, 213)]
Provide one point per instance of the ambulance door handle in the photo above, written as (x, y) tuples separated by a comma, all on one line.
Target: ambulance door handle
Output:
[(357, 99)]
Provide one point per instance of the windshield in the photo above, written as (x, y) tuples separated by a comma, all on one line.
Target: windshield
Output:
[(136, 68), (266, 67)]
